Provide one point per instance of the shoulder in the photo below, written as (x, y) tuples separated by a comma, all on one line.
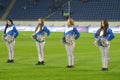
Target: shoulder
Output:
[(74, 28), (109, 30), (45, 27), (96, 32), (13, 26), (66, 26)]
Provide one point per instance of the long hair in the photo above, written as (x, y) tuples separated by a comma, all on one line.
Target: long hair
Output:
[(71, 21), (7, 24), (105, 27), (41, 25)]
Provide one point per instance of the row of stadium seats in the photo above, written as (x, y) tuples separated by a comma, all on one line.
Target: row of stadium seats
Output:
[(93, 10), (103, 9), (25, 10), (89, 10)]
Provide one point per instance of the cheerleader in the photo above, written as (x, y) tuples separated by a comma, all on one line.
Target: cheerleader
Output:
[(10, 34), (103, 37), (70, 35), (40, 37)]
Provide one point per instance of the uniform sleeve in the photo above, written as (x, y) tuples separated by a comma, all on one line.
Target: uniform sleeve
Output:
[(47, 31), (77, 33), (110, 35), (15, 32), (96, 34)]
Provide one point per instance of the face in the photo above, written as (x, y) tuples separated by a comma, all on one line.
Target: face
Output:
[(39, 21), (8, 22), (103, 23), (68, 22)]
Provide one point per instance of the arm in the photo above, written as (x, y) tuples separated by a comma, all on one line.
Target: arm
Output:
[(15, 34), (47, 31), (96, 35), (110, 35), (77, 33)]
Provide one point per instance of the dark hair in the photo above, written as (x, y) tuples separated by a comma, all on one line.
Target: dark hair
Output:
[(105, 27), (10, 21), (7, 24), (42, 24)]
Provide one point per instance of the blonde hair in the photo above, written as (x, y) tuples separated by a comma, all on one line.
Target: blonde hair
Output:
[(71, 22)]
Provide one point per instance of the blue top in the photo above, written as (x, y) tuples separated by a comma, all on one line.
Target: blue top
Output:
[(109, 35), (45, 30), (72, 31), (11, 30)]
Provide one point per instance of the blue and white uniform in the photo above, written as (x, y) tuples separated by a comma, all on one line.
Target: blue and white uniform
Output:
[(40, 44), (12, 31), (70, 34), (105, 49)]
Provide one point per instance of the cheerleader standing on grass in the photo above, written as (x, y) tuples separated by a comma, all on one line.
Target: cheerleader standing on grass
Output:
[(70, 35), (40, 37), (103, 37), (10, 33)]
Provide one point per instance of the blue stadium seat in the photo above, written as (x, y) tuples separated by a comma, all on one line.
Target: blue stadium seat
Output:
[(91, 10)]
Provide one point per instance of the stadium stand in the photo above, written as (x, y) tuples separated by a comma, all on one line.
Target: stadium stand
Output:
[(28, 10), (93, 10), (3, 5), (96, 10), (89, 10)]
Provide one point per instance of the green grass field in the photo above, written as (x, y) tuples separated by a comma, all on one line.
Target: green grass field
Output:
[(87, 60)]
